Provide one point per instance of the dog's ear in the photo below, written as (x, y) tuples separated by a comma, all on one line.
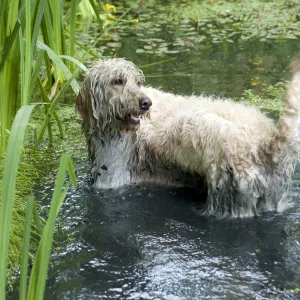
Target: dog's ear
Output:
[(82, 104)]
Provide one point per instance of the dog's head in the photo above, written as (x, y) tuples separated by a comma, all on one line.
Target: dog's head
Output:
[(111, 95)]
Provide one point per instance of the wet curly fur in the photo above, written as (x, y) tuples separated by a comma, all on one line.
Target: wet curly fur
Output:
[(245, 161)]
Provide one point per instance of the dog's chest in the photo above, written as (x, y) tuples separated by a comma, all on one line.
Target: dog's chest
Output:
[(110, 169), (124, 160)]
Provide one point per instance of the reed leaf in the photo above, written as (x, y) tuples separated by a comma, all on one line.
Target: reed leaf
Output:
[(40, 267), (76, 61), (73, 8), (36, 69), (54, 113), (93, 4), (25, 247), (27, 56), (38, 19), (52, 109), (60, 65), (37, 219), (11, 163), (2, 9), (8, 42)]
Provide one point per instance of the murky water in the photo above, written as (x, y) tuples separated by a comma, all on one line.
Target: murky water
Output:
[(152, 244), (138, 243)]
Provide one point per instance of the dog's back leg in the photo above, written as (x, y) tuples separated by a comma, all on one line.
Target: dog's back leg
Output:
[(283, 151), (263, 185)]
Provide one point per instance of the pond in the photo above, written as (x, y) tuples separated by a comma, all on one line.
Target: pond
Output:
[(140, 243)]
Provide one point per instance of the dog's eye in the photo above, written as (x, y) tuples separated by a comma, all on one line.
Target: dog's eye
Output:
[(118, 81), (139, 83)]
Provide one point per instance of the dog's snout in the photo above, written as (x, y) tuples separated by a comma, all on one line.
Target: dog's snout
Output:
[(145, 103)]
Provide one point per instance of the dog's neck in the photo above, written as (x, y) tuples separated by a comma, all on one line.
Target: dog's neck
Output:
[(114, 152)]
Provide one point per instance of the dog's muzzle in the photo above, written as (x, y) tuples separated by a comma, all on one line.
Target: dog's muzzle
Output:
[(133, 119)]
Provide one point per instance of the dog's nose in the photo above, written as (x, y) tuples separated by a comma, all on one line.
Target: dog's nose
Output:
[(145, 103)]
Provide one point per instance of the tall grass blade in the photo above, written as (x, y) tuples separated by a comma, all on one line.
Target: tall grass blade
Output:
[(52, 108), (26, 73), (73, 8), (11, 163), (96, 12), (8, 42), (36, 70), (40, 268), (54, 113), (76, 61), (37, 219), (2, 8), (60, 65), (37, 24), (25, 247), (57, 17)]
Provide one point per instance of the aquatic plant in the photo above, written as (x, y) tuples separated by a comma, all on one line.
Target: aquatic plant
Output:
[(40, 262), (37, 61), (205, 22), (270, 98)]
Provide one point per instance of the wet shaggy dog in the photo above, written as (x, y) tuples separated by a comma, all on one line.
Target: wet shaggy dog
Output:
[(139, 134)]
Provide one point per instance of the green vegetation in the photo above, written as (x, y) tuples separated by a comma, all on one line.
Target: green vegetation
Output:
[(271, 98), (41, 259), (223, 20), (213, 21), (37, 61)]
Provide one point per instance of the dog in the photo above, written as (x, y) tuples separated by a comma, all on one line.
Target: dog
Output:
[(142, 135)]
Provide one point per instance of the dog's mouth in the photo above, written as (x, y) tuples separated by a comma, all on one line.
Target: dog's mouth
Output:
[(131, 119)]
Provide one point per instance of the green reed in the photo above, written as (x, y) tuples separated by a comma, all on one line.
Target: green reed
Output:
[(37, 49), (41, 258)]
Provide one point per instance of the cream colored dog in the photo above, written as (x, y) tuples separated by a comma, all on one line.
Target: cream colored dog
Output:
[(245, 161)]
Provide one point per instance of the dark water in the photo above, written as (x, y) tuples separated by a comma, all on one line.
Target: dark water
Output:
[(152, 244), (138, 243)]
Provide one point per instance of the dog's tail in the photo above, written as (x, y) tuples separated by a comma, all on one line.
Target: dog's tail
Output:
[(286, 143)]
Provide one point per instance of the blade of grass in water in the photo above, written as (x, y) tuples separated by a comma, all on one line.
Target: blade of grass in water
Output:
[(40, 267), (11, 163), (25, 247), (37, 219)]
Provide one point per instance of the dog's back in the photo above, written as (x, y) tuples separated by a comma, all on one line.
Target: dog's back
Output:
[(245, 159)]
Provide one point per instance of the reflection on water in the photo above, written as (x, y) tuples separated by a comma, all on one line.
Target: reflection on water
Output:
[(197, 66), (220, 69)]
